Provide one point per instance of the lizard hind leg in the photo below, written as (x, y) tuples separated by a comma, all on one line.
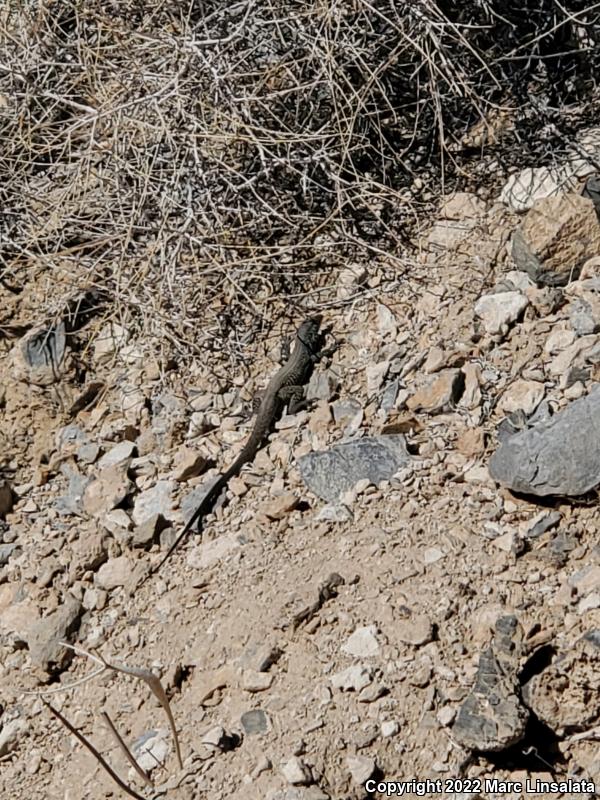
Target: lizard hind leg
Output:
[(293, 397)]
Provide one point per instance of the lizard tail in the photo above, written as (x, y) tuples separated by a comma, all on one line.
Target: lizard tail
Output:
[(208, 501)]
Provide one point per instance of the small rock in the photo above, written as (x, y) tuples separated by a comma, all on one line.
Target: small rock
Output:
[(386, 321), (208, 553), (147, 533), (352, 679), (109, 489), (435, 360), (109, 341), (259, 656), (416, 630), (255, 721), (508, 543), (323, 384), (10, 735), (558, 340), (188, 464), (120, 454), (334, 513), (348, 413), (522, 396), (389, 396), (296, 772), (117, 519), (214, 737), (256, 681), (471, 397), (361, 768), (45, 634), (542, 522), (584, 316), (372, 693), (88, 453), (115, 572), (72, 502), (94, 599), (363, 642), (522, 189), (40, 356), (442, 392), (389, 728), (157, 500), (499, 311), (279, 506), (586, 580), (446, 716), (432, 555), (462, 205), (471, 442), (151, 749), (376, 374)]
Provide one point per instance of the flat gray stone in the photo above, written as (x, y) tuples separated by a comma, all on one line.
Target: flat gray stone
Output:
[(330, 473), (560, 456), (254, 721)]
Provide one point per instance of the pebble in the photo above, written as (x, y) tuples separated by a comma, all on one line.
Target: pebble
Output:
[(352, 679), (10, 735), (415, 630), (296, 772), (362, 643), (361, 768), (279, 506), (115, 572), (119, 454), (498, 311), (389, 728), (255, 721), (432, 555), (157, 500), (441, 393), (256, 681)]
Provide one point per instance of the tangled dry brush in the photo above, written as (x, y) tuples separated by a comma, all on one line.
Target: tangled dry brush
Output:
[(207, 159)]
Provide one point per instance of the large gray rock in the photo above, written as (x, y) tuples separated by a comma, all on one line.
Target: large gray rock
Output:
[(560, 456), (330, 473)]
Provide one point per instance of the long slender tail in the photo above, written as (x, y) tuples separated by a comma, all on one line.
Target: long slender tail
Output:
[(208, 501)]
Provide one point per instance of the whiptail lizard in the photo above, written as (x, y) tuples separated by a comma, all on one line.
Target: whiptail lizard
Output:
[(286, 387)]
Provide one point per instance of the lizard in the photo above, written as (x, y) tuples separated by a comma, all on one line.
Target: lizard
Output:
[(286, 387)]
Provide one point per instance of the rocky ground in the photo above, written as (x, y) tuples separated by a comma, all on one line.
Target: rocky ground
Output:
[(395, 613)]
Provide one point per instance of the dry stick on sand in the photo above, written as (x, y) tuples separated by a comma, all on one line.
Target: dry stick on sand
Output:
[(157, 689), (86, 743)]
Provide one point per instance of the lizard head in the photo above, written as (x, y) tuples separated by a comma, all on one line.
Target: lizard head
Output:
[(308, 332)]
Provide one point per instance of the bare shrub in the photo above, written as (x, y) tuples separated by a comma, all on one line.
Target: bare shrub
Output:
[(199, 160)]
